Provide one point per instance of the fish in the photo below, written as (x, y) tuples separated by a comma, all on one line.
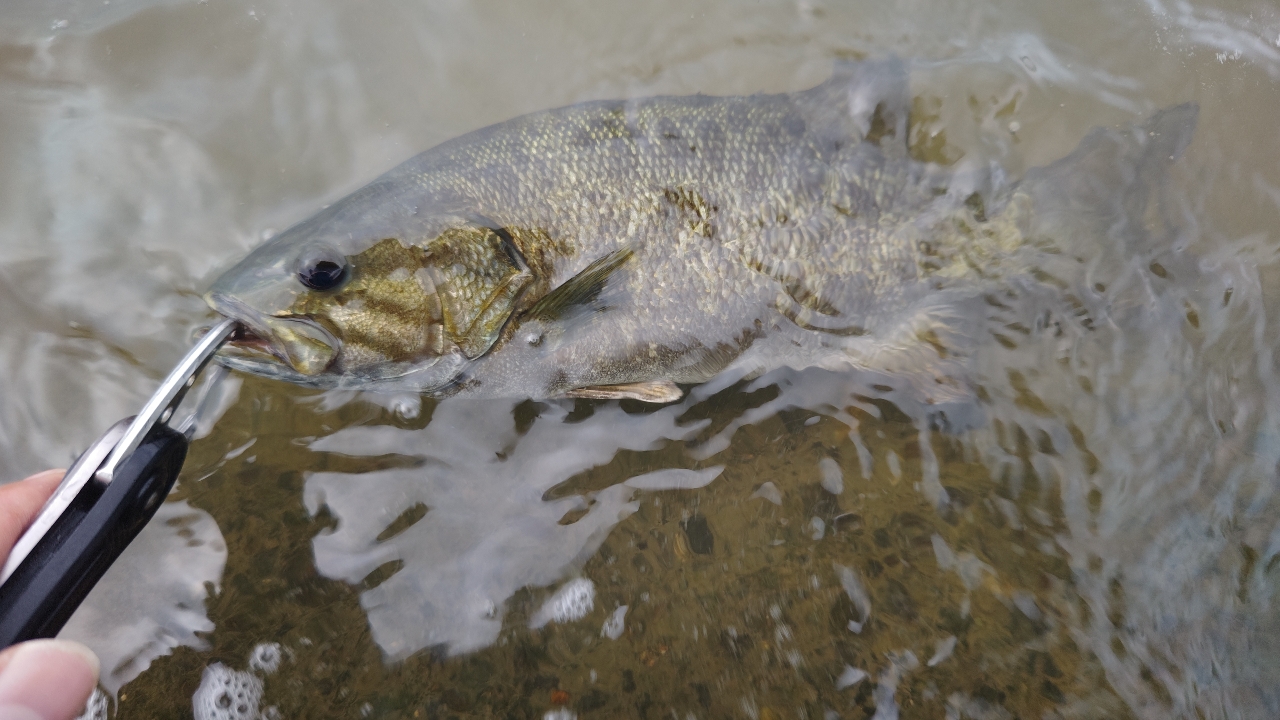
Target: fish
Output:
[(622, 249)]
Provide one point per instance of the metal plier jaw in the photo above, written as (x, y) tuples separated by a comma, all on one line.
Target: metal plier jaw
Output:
[(105, 499)]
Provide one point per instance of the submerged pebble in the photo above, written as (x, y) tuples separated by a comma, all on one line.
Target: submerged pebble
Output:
[(768, 491), (850, 677), (943, 651), (832, 477), (614, 625)]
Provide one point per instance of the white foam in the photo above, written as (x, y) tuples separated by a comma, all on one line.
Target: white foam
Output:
[(571, 602), (226, 694), (96, 707)]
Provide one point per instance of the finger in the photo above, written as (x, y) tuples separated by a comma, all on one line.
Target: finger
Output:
[(46, 679), (19, 503)]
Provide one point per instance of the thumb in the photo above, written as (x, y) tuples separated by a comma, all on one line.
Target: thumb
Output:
[(46, 680)]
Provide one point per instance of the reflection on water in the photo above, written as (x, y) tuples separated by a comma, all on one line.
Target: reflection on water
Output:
[(172, 564), (1092, 534), (473, 514)]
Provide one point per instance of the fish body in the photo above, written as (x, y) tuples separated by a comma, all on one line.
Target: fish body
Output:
[(617, 248)]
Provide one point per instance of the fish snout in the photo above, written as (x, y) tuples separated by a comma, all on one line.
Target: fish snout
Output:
[(300, 342)]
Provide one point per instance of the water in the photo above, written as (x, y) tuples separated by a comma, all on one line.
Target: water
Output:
[(1096, 538)]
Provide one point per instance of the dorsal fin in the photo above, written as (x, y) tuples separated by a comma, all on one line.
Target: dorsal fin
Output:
[(581, 289)]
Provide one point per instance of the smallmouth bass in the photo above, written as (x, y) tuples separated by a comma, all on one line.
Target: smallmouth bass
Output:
[(616, 249)]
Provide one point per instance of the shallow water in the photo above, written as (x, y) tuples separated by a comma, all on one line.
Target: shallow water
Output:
[(1095, 537)]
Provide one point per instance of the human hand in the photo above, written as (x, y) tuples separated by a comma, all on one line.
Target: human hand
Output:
[(40, 679)]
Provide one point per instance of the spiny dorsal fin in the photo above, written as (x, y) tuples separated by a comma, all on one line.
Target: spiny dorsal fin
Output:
[(654, 391), (580, 289)]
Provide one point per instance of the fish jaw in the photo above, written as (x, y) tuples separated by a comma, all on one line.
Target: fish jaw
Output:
[(290, 347), (301, 351)]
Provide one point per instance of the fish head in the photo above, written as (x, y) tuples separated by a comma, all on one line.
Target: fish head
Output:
[(405, 304)]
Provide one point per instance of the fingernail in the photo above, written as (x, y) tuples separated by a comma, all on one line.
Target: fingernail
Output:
[(46, 680)]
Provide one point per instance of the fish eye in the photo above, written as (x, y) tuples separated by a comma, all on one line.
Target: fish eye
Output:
[(322, 270)]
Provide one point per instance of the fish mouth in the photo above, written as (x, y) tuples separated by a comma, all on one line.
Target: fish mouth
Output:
[(245, 340), (292, 347)]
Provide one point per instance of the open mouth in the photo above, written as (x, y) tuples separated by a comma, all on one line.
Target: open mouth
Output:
[(289, 359), (245, 340), (299, 343)]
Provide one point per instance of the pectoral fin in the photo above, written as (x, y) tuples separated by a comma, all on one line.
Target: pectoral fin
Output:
[(581, 289), (653, 391)]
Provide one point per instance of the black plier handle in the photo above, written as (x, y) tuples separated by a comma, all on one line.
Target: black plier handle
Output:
[(104, 500)]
